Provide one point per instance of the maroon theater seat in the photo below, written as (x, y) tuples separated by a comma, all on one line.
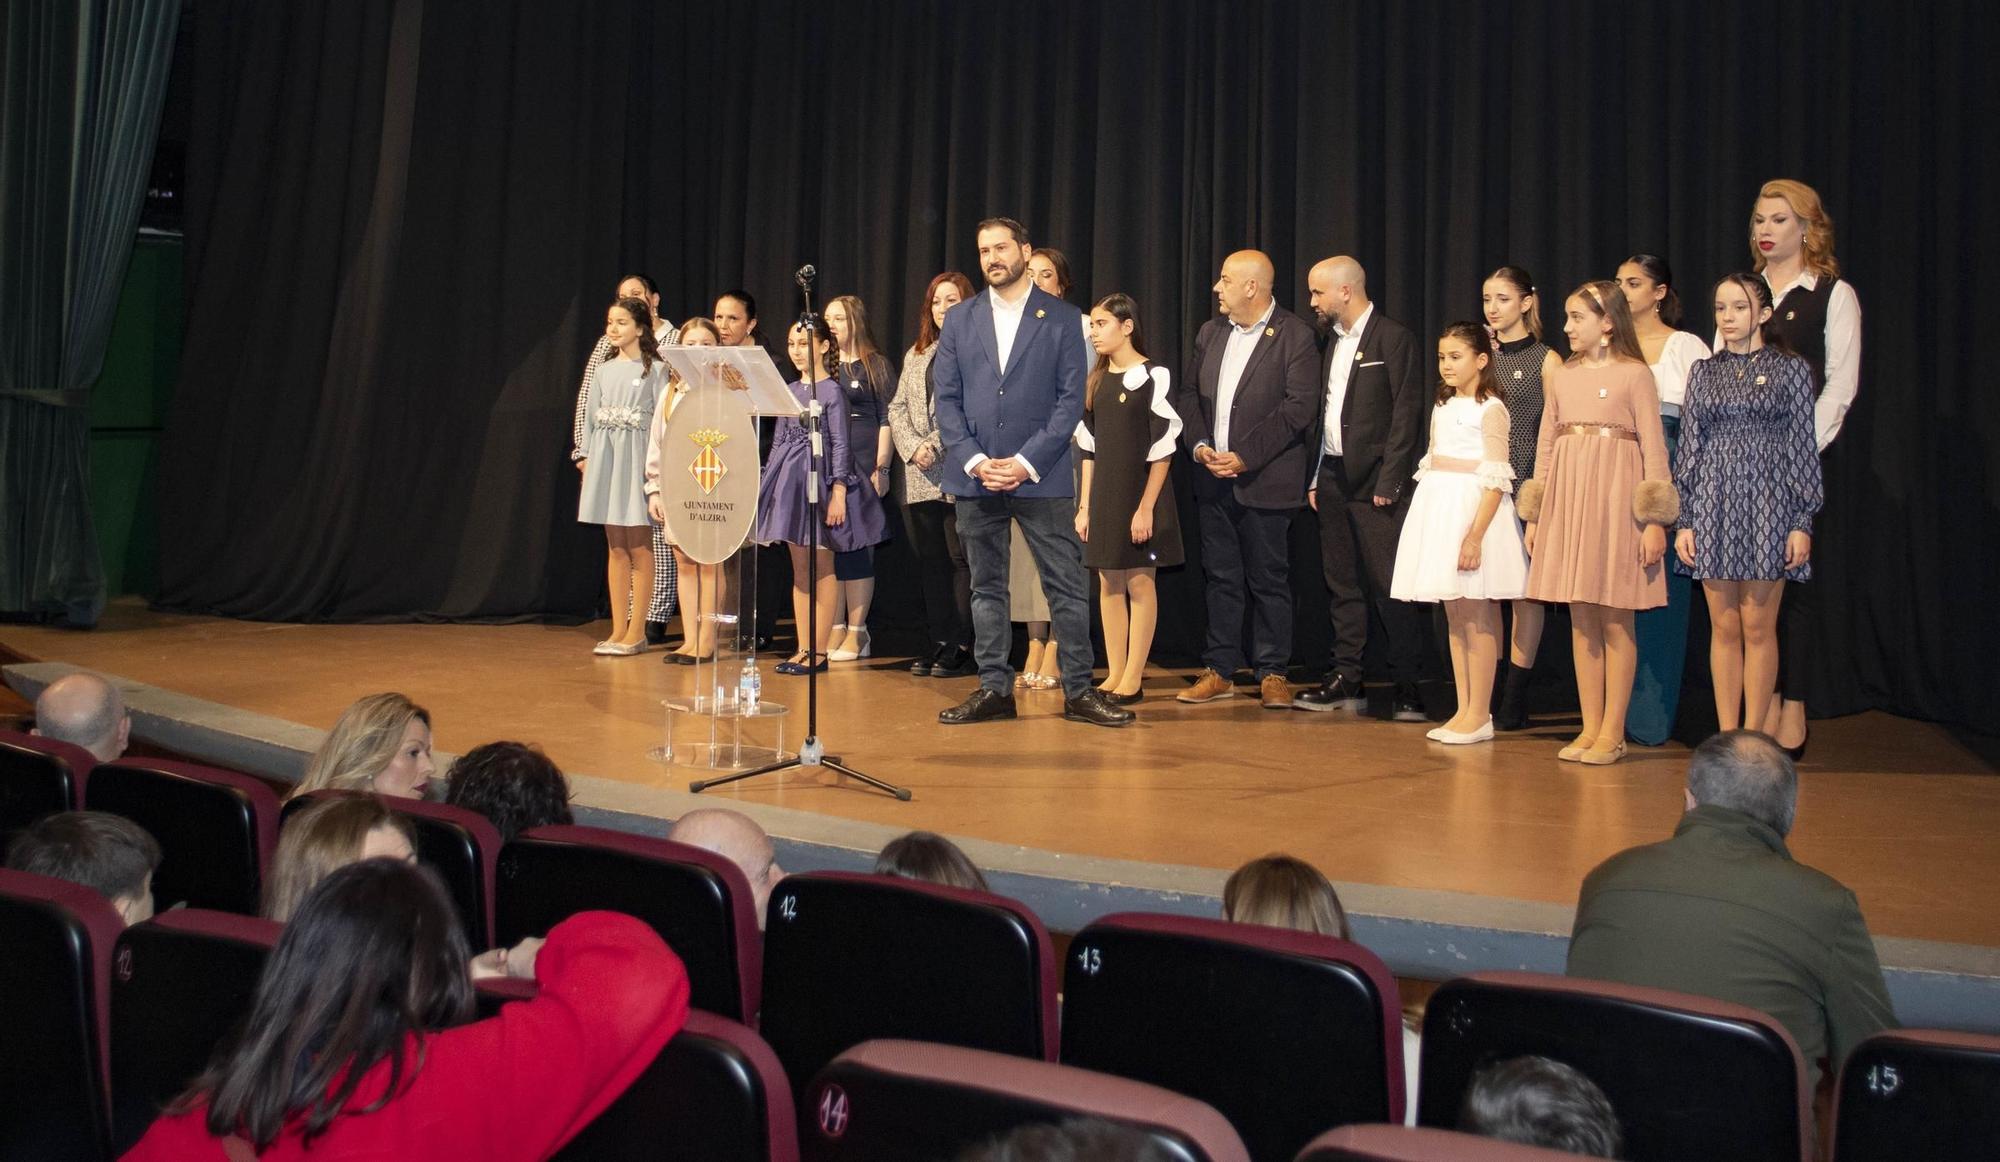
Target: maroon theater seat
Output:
[(461, 846), (716, 1092), (55, 945), (1689, 1077), (216, 829), (180, 982), (851, 958), (699, 902), (1286, 1033), (1919, 1093), (38, 776), (910, 1101), (1378, 1143)]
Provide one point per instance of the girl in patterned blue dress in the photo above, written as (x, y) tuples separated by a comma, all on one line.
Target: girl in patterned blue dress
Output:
[(618, 409), (1749, 477)]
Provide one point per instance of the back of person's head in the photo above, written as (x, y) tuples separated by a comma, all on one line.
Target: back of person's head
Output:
[(87, 711), (930, 857), (737, 838), (361, 744), (1748, 772), (1076, 1140), (325, 837), (109, 854), (1284, 892), (511, 783), (373, 955), (1537, 1101)]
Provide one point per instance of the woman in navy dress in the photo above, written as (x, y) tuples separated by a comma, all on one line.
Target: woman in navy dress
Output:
[(868, 382), (783, 514), (1749, 476)]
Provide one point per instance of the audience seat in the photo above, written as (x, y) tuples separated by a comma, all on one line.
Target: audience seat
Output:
[(1688, 1076), (180, 983), (460, 845), (55, 943), (216, 829), (1286, 1033), (1378, 1143), (1919, 1093), (699, 902), (910, 1101), (851, 958), (38, 776), (716, 1093)]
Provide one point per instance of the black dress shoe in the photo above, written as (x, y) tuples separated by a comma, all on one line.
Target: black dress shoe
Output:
[(1409, 705), (1336, 693), (656, 633), (956, 662), (1094, 707), (921, 667), (984, 706)]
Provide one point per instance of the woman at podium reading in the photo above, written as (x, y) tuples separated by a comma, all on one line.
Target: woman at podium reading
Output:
[(851, 516)]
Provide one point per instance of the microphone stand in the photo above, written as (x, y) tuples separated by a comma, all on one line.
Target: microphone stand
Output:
[(812, 752)]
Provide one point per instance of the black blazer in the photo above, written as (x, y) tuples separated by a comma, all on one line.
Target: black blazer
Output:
[(1273, 417), (1382, 419)]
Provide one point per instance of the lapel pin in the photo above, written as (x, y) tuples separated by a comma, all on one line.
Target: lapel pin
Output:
[(1041, 314), (1760, 381), (1270, 332), (1357, 356), (1790, 315)]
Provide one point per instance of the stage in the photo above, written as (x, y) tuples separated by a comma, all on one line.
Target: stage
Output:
[(1897, 810)]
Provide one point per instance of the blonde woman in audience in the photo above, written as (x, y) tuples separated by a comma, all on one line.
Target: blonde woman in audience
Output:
[(931, 858), (1285, 892), (381, 743), (326, 837)]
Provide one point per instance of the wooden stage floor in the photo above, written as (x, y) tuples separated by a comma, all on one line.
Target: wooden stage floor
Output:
[(1898, 810)]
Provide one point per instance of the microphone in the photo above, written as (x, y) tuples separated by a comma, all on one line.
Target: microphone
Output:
[(806, 274)]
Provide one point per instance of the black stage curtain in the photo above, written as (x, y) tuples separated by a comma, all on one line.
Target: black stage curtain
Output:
[(404, 219)]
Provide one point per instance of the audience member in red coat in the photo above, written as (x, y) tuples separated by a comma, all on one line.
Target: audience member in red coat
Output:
[(357, 1044)]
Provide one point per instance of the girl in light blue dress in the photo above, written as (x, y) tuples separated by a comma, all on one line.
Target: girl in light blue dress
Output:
[(618, 410)]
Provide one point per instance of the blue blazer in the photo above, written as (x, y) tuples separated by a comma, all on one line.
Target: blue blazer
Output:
[(1030, 411)]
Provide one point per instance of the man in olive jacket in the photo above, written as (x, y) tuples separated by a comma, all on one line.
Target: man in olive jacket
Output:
[(1721, 910)]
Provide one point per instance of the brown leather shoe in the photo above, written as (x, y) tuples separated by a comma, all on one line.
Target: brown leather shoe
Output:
[(1277, 692), (1210, 687)]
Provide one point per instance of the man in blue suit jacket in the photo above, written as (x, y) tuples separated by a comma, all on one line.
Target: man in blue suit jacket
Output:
[(1008, 379)]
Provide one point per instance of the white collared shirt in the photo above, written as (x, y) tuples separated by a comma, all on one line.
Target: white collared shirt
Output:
[(1340, 369), (1007, 322), (1235, 357), (1843, 353)]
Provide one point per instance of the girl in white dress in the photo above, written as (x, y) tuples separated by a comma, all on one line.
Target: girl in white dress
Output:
[(619, 400), (1460, 544)]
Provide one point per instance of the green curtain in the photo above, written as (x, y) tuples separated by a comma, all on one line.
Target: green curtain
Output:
[(80, 101)]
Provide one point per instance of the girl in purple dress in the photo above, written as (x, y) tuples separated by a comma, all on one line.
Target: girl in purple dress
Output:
[(783, 513)]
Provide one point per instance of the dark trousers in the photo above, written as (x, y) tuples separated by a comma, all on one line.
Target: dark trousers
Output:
[(947, 579), (1048, 524), (1661, 635), (1357, 549), (1246, 555)]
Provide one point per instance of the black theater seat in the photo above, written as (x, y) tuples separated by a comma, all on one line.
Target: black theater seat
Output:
[(1919, 1093), (1378, 1143), (910, 1101), (1688, 1076), (55, 971), (216, 829), (38, 776), (1288, 1034), (180, 983), (853, 958), (699, 902), (460, 845), (716, 1092)]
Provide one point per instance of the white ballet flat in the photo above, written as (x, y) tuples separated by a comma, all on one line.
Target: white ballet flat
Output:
[(847, 655), (1435, 734), (601, 648), (1467, 738)]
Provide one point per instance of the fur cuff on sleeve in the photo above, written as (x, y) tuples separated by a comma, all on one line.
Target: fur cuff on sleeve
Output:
[(1528, 502), (1656, 503)]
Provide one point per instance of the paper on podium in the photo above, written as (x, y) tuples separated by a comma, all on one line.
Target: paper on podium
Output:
[(745, 369)]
